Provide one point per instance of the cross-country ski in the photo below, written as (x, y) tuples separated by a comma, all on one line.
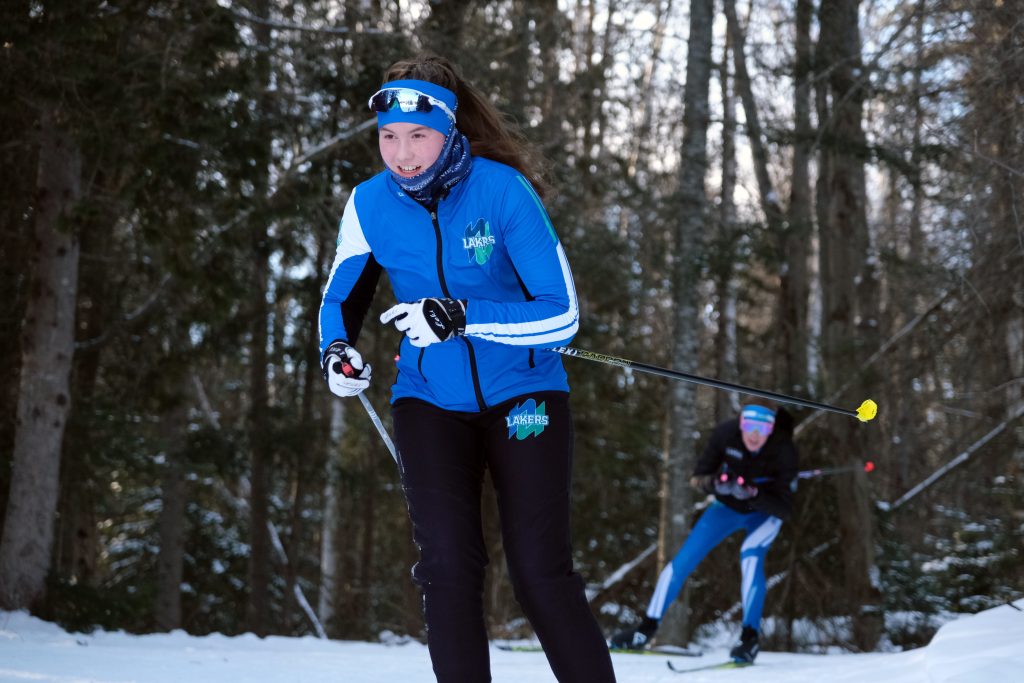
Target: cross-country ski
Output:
[(719, 666)]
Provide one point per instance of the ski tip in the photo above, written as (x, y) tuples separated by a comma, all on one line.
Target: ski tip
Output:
[(867, 411)]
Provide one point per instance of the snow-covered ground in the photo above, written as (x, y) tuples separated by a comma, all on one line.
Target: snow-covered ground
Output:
[(980, 648)]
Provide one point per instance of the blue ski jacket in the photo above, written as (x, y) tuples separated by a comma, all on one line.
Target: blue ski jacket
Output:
[(489, 242)]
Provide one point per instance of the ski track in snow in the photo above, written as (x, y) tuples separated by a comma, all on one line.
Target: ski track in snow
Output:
[(981, 648)]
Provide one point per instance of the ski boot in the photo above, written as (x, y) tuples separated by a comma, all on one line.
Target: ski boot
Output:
[(636, 638), (746, 650)]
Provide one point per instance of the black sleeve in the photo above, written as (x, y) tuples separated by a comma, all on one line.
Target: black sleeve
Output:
[(710, 460), (775, 497), (357, 303)]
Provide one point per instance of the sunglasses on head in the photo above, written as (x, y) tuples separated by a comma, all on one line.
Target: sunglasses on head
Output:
[(408, 100), (762, 428)]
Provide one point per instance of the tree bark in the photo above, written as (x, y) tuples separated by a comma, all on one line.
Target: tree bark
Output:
[(77, 547), (43, 392), (261, 455), (768, 196), (331, 579), (442, 29), (689, 250), (791, 236), (724, 265), (795, 238), (550, 27), (171, 522), (642, 112), (849, 300)]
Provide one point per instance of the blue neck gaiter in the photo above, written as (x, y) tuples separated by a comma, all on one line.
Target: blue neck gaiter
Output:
[(452, 165)]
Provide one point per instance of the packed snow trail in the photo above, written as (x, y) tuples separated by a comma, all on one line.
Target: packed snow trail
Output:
[(979, 648)]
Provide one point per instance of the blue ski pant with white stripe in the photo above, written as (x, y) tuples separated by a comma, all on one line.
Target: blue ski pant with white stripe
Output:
[(716, 524)]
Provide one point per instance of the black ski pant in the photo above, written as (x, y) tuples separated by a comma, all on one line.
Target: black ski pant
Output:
[(443, 455)]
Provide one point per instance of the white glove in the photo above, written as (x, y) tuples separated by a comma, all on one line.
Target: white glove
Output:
[(428, 321), (344, 370)]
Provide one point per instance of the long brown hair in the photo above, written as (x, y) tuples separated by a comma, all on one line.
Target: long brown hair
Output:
[(490, 133)]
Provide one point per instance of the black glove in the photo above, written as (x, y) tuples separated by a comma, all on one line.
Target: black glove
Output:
[(743, 492), (725, 485), (344, 370), (705, 483), (428, 321)]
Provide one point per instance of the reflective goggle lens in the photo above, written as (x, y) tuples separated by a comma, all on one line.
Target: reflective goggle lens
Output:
[(408, 100), (762, 428)]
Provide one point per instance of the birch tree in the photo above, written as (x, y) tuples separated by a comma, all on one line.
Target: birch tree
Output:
[(48, 339), (677, 497)]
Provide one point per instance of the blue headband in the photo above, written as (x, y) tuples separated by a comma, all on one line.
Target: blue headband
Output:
[(437, 118), (755, 413)]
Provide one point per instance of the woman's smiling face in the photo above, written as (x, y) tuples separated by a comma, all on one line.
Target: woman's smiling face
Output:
[(409, 149)]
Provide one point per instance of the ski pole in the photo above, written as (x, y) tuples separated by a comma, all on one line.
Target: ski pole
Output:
[(824, 471), (379, 425), (347, 370), (866, 412)]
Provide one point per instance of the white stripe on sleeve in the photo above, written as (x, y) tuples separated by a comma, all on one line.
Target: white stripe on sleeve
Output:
[(532, 332)]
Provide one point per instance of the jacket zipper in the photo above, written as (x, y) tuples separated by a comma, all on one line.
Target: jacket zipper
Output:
[(444, 288), (440, 254)]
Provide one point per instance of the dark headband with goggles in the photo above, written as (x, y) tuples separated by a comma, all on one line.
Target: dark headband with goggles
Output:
[(414, 101)]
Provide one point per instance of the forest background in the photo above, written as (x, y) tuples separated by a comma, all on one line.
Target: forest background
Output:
[(822, 198)]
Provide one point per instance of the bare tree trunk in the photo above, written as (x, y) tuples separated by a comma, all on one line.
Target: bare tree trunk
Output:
[(849, 301), (47, 351), (795, 238), (261, 455), (442, 29), (77, 547), (768, 196), (601, 70), (642, 112), (1015, 354), (331, 580), (171, 523), (689, 248), (723, 258), (791, 236), (261, 458), (999, 111), (549, 30), (902, 278), (583, 75), (368, 543)]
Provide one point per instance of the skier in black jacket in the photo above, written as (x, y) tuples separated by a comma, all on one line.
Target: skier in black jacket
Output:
[(749, 465)]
